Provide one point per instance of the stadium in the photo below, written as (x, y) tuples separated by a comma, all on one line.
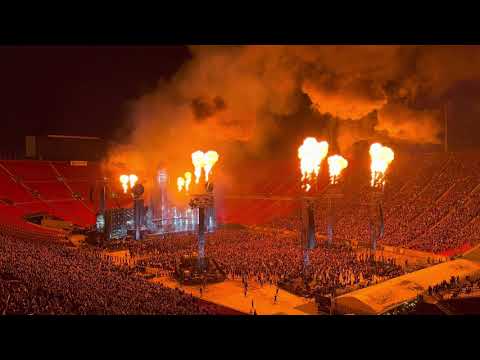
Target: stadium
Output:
[(331, 219)]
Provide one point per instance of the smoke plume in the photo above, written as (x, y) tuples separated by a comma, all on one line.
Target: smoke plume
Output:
[(403, 123), (234, 99)]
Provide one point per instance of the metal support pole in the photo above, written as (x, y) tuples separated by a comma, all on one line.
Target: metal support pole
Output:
[(311, 227), (331, 220), (308, 225), (376, 221), (373, 235), (201, 236), (308, 230), (382, 223), (138, 217), (306, 258), (102, 197)]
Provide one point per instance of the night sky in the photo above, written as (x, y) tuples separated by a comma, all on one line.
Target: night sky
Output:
[(76, 90)]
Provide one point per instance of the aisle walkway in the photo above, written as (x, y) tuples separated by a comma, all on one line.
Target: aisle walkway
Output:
[(230, 294), (473, 254)]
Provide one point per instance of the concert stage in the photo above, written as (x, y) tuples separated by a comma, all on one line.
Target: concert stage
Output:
[(188, 271)]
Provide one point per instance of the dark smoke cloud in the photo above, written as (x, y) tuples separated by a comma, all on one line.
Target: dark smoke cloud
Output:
[(204, 108), (235, 99), (403, 123)]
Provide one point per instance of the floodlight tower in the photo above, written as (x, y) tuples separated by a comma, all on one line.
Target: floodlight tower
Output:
[(202, 202), (331, 195), (203, 163), (375, 207), (308, 222), (138, 209), (307, 231), (381, 157), (311, 153), (336, 165)]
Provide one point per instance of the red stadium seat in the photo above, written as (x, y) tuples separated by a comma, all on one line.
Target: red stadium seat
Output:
[(13, 191), (54, 196), (51, 190), (29, 170)]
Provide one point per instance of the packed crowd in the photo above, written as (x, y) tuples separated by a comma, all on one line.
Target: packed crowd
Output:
[(434, 208), (271, 258), (455, 287), (46, 277)]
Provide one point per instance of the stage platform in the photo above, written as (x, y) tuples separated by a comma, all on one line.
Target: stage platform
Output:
[(182, 226)]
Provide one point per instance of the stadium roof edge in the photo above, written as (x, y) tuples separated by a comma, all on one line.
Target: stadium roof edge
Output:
[(74, 137)]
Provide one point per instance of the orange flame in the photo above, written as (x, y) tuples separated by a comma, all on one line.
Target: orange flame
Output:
[(203, 160), (124, 182), (336, 164), (210, 159), (133, 179), (381, 157), (180, 183), (311, 153), (198, 163), (188, 179)]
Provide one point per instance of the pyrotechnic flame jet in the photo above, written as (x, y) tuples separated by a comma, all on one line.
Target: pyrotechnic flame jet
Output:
[(210, 158), (198, 161), (311, 153), (180, 183), (381, 157), (133, 179), (188, 180), (203, 160), (336, 164), (124, 182)]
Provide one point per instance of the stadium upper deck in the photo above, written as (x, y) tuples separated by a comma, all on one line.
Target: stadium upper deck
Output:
[(432, 201)]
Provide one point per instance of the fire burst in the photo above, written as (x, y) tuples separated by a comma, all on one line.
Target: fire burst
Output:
[(203, 160), (124, 182), (381, 157), (311, 153), (210, 159), (188, 180), (336, 164), (133, 180), (198, 163), (180, 183)]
